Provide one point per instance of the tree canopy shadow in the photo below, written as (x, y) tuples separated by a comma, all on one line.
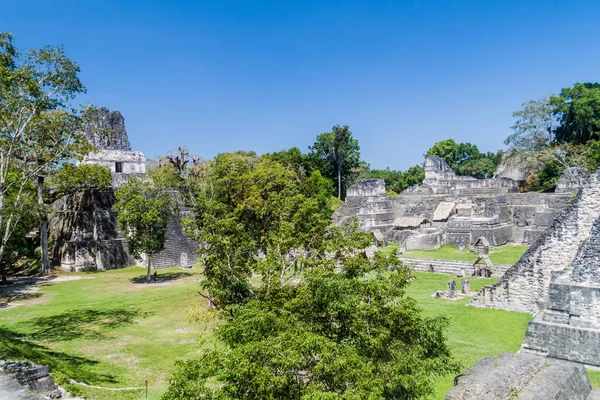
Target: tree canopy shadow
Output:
[(62, 366), (82, 324), (161, 278), (15, 293)]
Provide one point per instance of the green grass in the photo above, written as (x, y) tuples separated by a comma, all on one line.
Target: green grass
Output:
[(474, 333), (107, 331), (502, 255)]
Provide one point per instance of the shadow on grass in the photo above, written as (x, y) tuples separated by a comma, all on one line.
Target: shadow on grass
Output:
[(161, 278), (15, 293), (62, 366), (81, 324)]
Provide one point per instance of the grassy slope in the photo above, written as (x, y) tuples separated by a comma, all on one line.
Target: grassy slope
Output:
[(501, 255), (110, 332), (107, 330)]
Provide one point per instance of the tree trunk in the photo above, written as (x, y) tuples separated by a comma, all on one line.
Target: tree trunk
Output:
[(43, 228), (149, 264), (339, 174)]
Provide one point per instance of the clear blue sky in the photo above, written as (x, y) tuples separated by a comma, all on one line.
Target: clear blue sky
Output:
[(266, 75)]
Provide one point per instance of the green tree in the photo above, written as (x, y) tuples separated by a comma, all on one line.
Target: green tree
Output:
[(466, 159), (246, 205), (24, 217), (35, 116), (534, 126), (144, 214), (337, 155), (578, 113), (344, 334), (71, 178)]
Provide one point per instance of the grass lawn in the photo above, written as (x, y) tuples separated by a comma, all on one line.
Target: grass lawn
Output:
[(509, 254), (474, 333), (107, 330)]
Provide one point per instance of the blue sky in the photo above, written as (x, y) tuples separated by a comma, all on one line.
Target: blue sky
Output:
[(267, 75)]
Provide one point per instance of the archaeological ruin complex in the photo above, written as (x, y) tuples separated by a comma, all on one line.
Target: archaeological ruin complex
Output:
[(451, 209)]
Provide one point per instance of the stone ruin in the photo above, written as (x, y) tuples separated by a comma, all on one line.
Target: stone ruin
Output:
[(522, 377), (569, 326), (83, 226), (106, 131), (524, 287), (451, 209)]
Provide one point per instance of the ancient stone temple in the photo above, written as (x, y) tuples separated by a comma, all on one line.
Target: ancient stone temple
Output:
[(459, 209), (569, 326), (106, 131), (83, 226), (524, 287)]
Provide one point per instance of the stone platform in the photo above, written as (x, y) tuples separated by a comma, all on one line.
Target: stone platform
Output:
[(522, 376)]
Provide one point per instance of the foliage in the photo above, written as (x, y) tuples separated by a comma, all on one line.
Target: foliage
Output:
[(144, 214), (466, 159), (25, 218), (335, 334), (72, 178), (534, 126), (337, 156), (248, 205), (578, 112), (396, 181), (37, 124), (555, 133)]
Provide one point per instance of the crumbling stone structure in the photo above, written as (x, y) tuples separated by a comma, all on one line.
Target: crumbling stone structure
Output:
[(461, 209), (83, 226), (569, 326), (522, 376), (524, 287), (83, 230)]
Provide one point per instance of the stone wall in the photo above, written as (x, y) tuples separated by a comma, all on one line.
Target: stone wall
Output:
[(83, 230), (180, 249), (569, 326), (524, 287), (449, 266)]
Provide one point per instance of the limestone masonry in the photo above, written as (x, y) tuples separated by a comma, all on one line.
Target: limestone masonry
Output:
[(451, 209), (524, 287), (83, 226), (522, 376)]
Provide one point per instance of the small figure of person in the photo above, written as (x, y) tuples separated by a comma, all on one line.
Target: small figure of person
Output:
[(155, 276)]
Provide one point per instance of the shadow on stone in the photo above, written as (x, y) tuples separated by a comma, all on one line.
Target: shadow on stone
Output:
[(82, 324), (161, 278)]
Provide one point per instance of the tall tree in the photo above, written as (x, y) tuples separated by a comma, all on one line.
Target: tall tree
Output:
[(466, 159), (33, 86), (578, 112), (339, 154), (144, 214), (248, 205)]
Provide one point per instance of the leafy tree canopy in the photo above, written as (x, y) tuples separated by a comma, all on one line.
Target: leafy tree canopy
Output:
[(348, 334), (336, 155), (144, 214), (466, 159)]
